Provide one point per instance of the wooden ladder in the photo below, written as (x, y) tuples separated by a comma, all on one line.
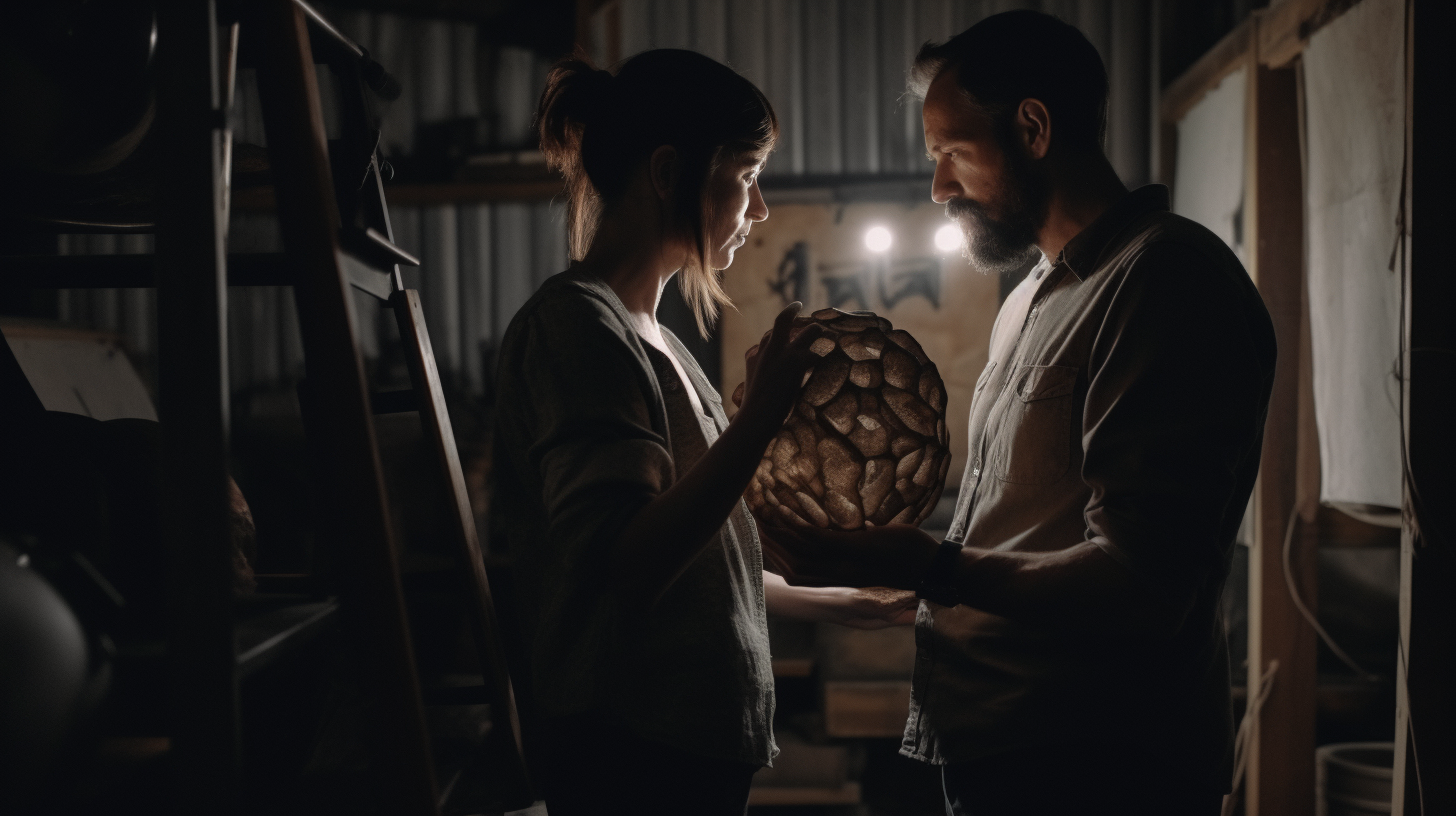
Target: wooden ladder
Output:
[(337, 238)]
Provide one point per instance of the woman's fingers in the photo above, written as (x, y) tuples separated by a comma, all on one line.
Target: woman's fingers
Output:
[(783, 325)]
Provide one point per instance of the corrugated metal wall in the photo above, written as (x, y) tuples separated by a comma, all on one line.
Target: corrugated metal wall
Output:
[(834, 70)]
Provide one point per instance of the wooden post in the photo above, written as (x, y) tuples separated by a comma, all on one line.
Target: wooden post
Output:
[(1425, 740), (1281, 778), (193, 396)]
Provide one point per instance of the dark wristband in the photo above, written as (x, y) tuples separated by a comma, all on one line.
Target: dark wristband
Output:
[(937, 585)]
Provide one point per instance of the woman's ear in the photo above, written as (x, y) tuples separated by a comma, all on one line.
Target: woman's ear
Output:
[(663, 169), (1035, 123)]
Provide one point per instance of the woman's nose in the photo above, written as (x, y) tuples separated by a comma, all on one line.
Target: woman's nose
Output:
[(757, 208)]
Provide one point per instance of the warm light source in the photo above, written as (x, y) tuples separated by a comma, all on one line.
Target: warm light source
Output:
[(878, 239), (948, 238)]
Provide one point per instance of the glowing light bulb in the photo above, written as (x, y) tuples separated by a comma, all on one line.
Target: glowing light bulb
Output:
[(878, 239), (948, 238)]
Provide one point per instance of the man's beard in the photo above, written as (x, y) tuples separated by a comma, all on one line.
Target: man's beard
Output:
[(1006, 243)]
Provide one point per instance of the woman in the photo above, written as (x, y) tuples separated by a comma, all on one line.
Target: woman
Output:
[(618, 479)]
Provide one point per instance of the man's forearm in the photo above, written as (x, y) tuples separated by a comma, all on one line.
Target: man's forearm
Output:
[(1080, 587)]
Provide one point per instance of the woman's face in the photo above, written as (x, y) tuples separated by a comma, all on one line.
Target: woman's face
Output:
[(734, 203)]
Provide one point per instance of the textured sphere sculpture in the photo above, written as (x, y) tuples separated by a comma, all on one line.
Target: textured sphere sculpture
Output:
[(866, 443)]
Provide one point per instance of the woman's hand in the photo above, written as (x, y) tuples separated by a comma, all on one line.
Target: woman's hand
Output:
[(776, 368), (870, 608)]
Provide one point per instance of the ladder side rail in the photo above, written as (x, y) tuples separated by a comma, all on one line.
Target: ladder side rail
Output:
[(342, 422), (409, 313)]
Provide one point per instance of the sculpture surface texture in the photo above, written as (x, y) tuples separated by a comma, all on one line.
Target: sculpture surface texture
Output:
[(866, 443)]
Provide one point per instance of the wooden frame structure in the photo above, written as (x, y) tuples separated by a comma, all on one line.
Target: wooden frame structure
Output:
[(337, 239), (1280, 773)]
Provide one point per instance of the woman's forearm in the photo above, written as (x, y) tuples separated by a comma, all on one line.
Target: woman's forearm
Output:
[(873, 608), (666, 535), (799, 603)]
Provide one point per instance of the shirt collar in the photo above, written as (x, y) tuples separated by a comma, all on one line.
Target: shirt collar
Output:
[(1082, 253)]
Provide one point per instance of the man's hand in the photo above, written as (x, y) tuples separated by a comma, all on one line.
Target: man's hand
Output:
[(894, 555)]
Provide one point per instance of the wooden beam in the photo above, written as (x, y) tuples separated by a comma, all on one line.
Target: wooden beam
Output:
[(1425, 737), (1280, 773), (1287, 26), (1230, 54), (1277, 34)]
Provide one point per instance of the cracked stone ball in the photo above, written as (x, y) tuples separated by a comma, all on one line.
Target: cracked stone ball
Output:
[(866, 443)]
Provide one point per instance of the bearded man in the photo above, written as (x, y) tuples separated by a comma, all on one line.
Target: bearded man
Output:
[(1071, 656)]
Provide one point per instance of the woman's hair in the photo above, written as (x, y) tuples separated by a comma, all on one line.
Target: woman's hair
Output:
[(598, 128)]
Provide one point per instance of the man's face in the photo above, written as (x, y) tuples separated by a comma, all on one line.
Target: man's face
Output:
[(984, 178)]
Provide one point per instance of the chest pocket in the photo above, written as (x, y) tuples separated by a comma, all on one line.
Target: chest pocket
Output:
[(1033, 444)]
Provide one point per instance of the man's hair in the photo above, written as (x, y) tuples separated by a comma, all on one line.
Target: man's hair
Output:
[(1019, 55)]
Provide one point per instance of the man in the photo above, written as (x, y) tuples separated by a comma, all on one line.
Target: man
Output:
[(1071, 658)]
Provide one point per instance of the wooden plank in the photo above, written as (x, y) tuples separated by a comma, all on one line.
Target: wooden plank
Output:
[(1280, 774), (1227, 56), (337, 416), (1287, 26), (410, 315), (1425, 708), (191, 269)]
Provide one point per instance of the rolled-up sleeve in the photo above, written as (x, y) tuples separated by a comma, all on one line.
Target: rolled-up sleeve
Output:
[(589, 409), (1178, 382)]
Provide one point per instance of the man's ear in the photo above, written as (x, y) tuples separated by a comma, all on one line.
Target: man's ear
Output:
[(1034, 122), (663, 169)]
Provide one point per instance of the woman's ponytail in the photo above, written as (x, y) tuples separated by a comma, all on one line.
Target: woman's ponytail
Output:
[(577, 97)]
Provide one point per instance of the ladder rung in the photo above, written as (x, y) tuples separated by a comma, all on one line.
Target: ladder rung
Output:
[(394, 402), (374, 248)]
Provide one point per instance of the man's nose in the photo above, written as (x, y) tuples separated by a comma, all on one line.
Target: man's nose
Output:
[(943, 187)]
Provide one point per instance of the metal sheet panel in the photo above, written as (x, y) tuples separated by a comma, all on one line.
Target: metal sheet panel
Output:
[(861, 96), (747, 40), (672, 24), (464, 68), (823, 122), (710, 28), (476, 294), (784, 84), (514, 282), (636, 28), (397, 48)]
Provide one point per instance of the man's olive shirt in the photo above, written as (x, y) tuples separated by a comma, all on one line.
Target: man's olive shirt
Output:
[(1128, 411)]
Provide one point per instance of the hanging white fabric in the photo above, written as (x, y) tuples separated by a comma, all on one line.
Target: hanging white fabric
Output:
[(1209, 185), (1354, 92)]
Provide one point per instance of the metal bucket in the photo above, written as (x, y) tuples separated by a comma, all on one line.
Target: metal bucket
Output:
[(1353, 778)]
